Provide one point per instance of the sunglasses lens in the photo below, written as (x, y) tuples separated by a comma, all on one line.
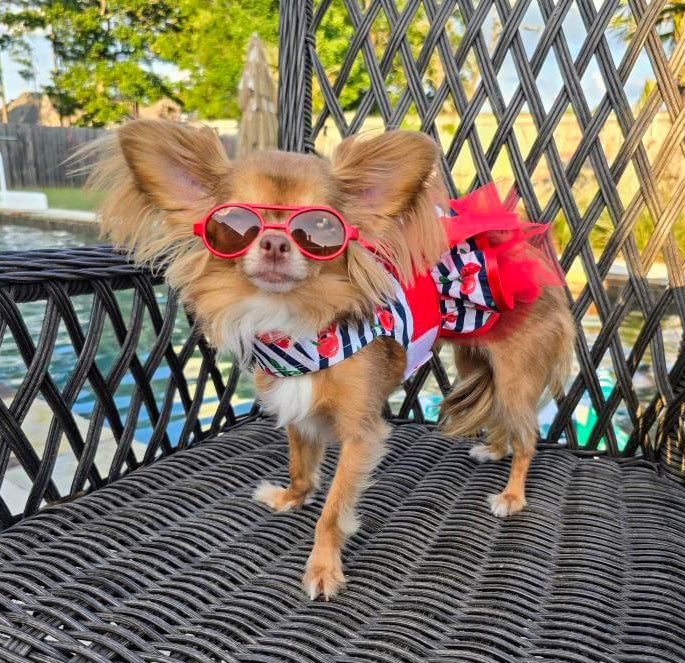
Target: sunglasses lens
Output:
[(231, 230), (318, 232)]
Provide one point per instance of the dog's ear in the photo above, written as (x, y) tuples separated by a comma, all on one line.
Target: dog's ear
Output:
[(390, 187), (158, 178), (174, 166)]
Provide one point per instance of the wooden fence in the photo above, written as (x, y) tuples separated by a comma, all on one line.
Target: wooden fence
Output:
[(37, 156)]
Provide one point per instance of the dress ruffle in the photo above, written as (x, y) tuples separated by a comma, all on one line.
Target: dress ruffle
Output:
[(520, 255)]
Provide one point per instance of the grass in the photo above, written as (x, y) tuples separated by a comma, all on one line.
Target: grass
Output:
[(75, 198), (71, 198)]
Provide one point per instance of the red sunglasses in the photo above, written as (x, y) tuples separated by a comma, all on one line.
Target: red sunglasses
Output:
[(320, 233)]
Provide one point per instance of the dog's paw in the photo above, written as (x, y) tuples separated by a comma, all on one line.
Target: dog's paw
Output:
[(482, 453), (506, 504), (323, 577), (276, 497)]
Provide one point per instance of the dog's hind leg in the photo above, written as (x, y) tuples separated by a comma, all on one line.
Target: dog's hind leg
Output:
[(518, 385), (496, 447)]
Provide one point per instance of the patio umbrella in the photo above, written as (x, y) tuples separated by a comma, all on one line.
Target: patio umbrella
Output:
[(257, 102)]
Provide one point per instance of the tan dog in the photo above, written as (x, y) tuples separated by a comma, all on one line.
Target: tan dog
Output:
[(162, 178)]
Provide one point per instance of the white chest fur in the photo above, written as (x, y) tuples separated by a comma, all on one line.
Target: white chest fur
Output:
[(288, 399), (255, 315)]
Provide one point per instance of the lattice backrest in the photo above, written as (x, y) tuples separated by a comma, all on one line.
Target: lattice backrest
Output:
[(102, 372), (556, 98)]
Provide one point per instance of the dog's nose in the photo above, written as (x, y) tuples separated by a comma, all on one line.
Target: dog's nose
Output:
[(274, 246)]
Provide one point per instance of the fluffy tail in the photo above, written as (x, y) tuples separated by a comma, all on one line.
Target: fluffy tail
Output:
[(468, 407)]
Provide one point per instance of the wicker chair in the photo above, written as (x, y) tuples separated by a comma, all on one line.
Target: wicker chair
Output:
[(155, 551)]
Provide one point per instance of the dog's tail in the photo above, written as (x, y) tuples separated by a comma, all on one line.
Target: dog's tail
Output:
[(558, 377), (469, 405), (560, 370)]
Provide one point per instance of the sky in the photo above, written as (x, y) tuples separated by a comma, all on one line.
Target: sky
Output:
[(42, 56), (549, 80)]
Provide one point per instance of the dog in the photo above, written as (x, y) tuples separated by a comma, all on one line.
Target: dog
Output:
[(281, 246)]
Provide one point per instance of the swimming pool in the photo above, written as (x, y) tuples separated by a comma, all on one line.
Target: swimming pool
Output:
[(64, 358)]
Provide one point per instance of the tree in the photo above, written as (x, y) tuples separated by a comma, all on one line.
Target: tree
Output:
[(210, 50), (105, 50)]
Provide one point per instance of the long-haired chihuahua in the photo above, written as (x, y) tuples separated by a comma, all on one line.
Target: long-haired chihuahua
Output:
[(332, 281)]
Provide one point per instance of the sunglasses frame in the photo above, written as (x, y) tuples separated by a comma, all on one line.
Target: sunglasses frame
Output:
[(200, 228)]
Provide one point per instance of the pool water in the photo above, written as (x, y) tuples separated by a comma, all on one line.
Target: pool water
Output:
[(63, 359)]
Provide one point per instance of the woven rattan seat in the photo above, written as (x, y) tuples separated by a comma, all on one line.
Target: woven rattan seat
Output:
[(178, 558)]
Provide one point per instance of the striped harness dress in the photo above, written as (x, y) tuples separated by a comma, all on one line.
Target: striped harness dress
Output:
[(461, 297)]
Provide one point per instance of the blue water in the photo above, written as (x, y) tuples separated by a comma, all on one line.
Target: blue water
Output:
[(62, 363)]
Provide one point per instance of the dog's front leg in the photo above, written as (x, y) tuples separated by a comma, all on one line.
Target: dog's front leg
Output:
[(305, 456), (360, 452)]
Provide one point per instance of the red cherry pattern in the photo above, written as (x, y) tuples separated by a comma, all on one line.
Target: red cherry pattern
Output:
[(281, 341), (468, 280), (386, 319), (327, 343), (468, 285), (470, 269)]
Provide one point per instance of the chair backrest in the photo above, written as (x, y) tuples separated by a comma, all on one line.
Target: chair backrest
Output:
[(581, 107), (101, 372)]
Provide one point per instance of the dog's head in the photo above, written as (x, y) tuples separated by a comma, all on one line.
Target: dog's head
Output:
[(162, 178)]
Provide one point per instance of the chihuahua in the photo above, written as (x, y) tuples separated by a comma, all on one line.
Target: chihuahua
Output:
[(313, 274)]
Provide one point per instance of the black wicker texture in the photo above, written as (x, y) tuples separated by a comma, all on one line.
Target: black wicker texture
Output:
[(147, 378), (178, 563), (468, 54)]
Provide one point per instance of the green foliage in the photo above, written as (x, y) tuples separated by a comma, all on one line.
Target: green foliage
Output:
[(210, 50), (332, 41), (103, 50)]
